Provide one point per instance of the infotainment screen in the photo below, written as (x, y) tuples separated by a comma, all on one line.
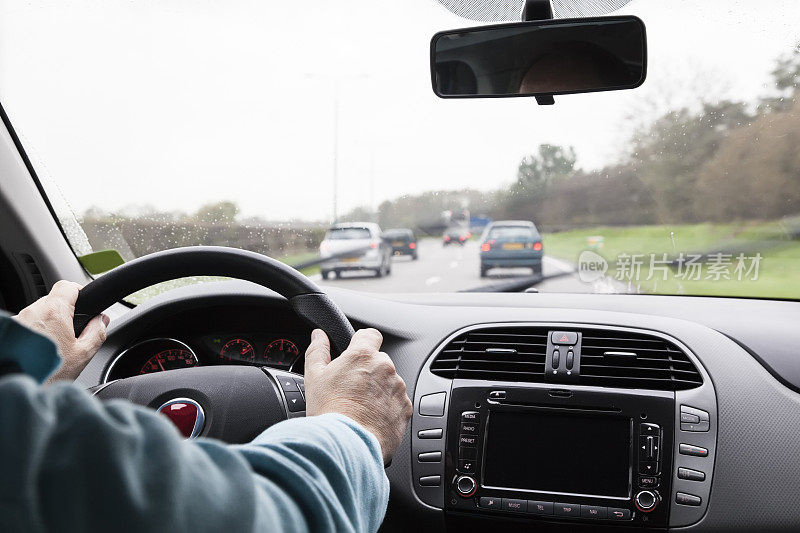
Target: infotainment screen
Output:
[(565, 453)]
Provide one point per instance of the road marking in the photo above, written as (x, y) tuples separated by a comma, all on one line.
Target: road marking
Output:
[(559, 264), (432, 280)]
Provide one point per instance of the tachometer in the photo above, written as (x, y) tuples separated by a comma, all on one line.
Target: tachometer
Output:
[(238, 350), (281, 352), (169, 360)]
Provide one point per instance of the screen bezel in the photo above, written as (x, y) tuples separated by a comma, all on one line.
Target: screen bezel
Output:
[(566, 412)]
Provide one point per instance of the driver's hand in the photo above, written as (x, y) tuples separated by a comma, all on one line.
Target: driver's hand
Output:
[(361, 383), (52, 315)]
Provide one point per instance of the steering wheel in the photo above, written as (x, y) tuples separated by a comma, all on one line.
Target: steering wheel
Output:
[(236, 402)]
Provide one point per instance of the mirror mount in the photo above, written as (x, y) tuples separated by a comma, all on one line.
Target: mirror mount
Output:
[(539, 10)]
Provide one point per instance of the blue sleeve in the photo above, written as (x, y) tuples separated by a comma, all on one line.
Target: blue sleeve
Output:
[(70, 462)]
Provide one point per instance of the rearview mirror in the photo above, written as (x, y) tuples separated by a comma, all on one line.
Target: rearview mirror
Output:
[(538, 58)]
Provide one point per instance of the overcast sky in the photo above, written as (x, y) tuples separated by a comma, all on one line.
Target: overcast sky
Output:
[(177, 103)]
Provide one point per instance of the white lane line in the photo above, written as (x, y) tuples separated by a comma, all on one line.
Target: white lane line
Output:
[(563, 266), (432, 280)]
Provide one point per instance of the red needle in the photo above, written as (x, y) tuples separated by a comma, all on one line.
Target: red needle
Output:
[(159, 363)]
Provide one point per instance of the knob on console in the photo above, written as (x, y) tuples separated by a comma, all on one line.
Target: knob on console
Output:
[(466, 486), (646, 501)]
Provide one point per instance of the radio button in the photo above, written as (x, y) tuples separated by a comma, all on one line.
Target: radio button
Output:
[(466, 486), (430, 457), (648, 482), (544, 508), (467, 440), (691, 475), (489, 502), (566, 509), (648, 468), (687, 499), (615, 513), (648, 447), (517, 506), (649, 429), (593, 511), (469, 427), (466, 452), (466, 466), (690, 449), (470, 416), (432, 404), (430, 433), (430, 481), (646, 501)]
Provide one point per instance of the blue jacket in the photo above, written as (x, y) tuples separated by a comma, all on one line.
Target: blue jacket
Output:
[(69, 462)]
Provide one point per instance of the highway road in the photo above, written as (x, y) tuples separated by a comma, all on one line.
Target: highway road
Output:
[(454, 268)]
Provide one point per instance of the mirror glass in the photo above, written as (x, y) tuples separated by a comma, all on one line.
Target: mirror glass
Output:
[(547, 57)]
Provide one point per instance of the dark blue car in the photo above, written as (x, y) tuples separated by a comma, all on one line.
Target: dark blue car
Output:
[(511, 244)]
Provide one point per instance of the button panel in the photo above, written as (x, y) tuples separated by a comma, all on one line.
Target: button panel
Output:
[(517, 506), (691, 475), (691, 449), (687, 499), (693, 419), (430, 433), (566, 509)]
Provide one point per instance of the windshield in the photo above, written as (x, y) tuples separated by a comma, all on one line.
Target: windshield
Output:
[(259, 125), (511, 233)]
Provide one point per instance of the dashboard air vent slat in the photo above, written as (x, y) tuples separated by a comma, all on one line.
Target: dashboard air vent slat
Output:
[(608, 358)]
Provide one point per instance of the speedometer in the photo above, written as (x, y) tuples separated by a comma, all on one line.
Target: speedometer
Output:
[(169, 360), (238, 350), (281, 352)]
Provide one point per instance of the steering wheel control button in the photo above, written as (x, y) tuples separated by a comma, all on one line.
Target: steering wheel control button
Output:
[(430, 457), (691, 449), (564, 337), (301, 384), (687, 499), (542, 508), (648, 482), (466, 466), (691, 475), (566, 509), (287, 383), (430, 481), (618, 513), (432, 404), (466, 486), (646, 501), (186, 414), (516, 506), (430, 433), (489, 502), (694, 420), (593, 511), (295, 401)]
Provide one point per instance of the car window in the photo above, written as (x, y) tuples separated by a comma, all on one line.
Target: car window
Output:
[(348, 233), (511, 233)]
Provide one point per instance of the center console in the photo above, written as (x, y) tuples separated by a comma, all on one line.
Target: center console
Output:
[(544, 447)]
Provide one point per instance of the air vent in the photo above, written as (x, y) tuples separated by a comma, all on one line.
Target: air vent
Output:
[(508, 353), (608, 358), (635, 360)]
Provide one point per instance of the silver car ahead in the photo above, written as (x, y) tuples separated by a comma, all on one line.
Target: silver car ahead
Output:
[(355, 246)]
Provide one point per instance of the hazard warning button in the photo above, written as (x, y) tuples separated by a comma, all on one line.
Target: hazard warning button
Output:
[(564, 337)]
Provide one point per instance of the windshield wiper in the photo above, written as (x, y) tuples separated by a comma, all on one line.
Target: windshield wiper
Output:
[(520, 284)]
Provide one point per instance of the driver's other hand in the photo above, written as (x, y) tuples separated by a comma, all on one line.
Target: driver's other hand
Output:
[(52, 315), (361, 383)]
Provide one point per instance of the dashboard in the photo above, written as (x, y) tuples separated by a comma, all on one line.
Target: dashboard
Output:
[(222, 335), (665, 413)]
